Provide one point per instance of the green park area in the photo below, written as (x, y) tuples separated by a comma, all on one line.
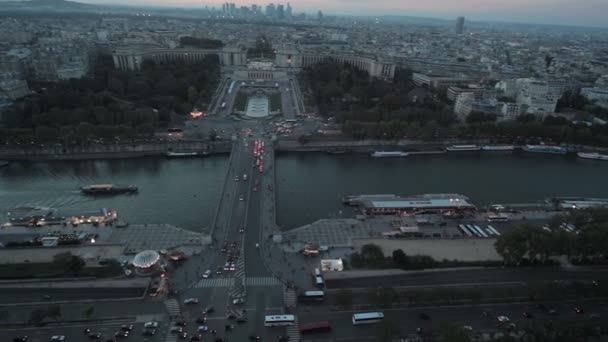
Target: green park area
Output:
[(240, 102), (63, 265), (275, 102)]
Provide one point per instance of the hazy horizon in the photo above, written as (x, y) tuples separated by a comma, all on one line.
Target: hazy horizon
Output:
[(590, 13)]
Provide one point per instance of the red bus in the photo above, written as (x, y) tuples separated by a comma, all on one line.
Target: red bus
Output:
[(314, 327)]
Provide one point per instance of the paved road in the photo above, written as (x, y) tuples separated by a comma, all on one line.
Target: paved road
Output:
[(76, 332), (406, 321), (25, 295), (492, 275)]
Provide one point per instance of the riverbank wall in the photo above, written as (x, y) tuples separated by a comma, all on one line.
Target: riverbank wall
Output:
[(113, 151)]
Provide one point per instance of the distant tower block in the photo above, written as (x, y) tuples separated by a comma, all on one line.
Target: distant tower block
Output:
[(459, 25)]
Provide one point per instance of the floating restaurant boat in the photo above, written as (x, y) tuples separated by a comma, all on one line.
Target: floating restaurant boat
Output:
[(578, 202), (463, 148), (389, 154), (446, 204), (497, 148), (354, 200), (592, 155), (108, 189), (545, 149)]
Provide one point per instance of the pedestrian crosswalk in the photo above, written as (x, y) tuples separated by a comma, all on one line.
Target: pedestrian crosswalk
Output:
[(170, 337), (263, 281), (172, 307), (293, 331), (289, 297), (214, 282)]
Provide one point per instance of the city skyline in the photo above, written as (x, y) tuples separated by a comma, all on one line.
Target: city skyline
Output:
[(557, 12)]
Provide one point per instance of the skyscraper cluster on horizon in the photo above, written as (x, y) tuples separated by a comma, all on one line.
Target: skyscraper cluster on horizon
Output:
[(271, 10)]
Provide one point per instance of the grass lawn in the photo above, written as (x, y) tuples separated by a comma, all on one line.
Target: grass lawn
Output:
[(275, 102), (240, 102)]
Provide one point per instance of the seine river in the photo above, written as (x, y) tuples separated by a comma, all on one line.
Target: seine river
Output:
[(184, 192)]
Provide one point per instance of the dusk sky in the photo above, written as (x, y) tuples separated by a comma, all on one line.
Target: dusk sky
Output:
[(567, 12)]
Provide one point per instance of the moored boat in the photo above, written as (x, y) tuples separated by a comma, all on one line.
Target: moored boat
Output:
[(171, 154), (389, 154), (108, 189), (592, 155), (463, 148), (545, 149), (497, 147)]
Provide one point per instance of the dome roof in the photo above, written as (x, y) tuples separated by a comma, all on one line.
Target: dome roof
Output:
[(146, 259)]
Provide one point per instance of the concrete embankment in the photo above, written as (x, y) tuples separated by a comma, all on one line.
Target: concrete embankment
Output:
[(359, 146), (113, 151)]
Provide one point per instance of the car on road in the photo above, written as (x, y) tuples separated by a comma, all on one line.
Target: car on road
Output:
[(149, 331), (121, 334), (218, 270), (503, 318), (284, 338), (181, 323), (236, 179), (232, 267), (254, 338), (209, 310), (579, 310), (126, 327), (231, 316), (227, 267), (552, 312), (151, 324), (201, 320), (95, 335), (57, 338), (176, 330), (241, 320), (196, 337), (20, 339), (244, 177), (241, 198), (202, 328), (424, 316), (207, 274), (238, 301), (255, 189), (183, 336), (191, 301), (527, 314)]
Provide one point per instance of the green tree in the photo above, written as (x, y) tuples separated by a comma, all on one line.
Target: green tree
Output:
[(453, 333), (37, 316), (88, 312), (386, 331), (54, 312), (344, 298), (372, 255), (192, 94), (400, 258), (4, 315)]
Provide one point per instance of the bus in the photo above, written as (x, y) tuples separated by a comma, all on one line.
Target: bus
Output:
[(367, 318), (308, 328), (312, 296), (279, 320)]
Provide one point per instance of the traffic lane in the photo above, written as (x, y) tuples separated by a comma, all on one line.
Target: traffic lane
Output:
[(253, 263), (478, 276), (408, 320), (29, 295), (76, 332), (101, 309)]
